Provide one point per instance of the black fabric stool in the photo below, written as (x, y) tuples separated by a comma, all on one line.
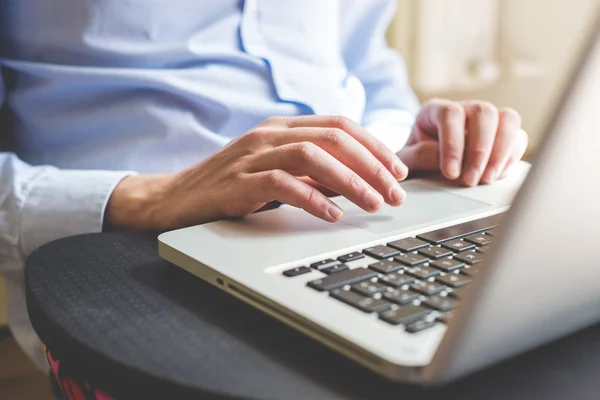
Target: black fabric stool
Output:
[(140, 327)]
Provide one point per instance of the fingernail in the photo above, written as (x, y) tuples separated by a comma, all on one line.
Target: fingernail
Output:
[(397, 194), (335, 212), (374, 200), (471, 177), (400, 170), (453, 169)]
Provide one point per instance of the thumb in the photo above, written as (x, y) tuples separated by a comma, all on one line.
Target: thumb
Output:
[(424, 156)]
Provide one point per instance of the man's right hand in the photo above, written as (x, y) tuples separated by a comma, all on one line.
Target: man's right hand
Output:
[(273, 162)]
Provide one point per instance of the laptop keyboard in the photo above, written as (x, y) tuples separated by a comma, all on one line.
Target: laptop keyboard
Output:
[(415, 282)]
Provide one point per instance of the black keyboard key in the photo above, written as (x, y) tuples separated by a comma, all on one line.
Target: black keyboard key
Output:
[(369, 288), (381, 252), (447, 264), (435, 252), (469, 257), (386, 266), (458, 245), (411, 259), (454, 280), (447, 317), (335, 268), (397, 279), (401, 296), (343, 278), (440, 303), (366, 304), (483, 249), (460, 230), (492, 232), (405, 315), (419, 326), (479, 239), (408, 244), (427, 288), (460, 292), (324, 264), (422, 271), (355, 255), (473, 271), (296, 271)]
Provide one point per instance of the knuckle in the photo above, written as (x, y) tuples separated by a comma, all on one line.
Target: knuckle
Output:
[(381, 148), (273, 121), (336, 137), (256, 135), (451, 111), (452, 148), (303, 152), (479, 156), (383, 153), (511, 114), (341, 122), (380, 171), (274, 180), (237, 175), (354, 183), (485, 109), (313, 197)]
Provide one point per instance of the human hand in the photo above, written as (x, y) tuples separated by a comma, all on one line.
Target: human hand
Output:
[(282, 159), (470, 140)]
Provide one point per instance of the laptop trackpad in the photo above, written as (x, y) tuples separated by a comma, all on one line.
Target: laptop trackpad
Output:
[(424, 205)]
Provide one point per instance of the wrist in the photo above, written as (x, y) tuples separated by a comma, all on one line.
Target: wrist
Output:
[(135, 204)]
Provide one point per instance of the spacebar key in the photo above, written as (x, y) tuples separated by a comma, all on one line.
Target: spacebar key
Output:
[(343, 278)]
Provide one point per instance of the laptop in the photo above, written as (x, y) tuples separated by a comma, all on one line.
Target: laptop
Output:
[(452, 281)]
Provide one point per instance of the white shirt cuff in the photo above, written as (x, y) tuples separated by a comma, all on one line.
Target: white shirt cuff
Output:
[(63, 203), (392, 127)]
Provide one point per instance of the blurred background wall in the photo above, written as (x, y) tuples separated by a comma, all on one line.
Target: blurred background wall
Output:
[(514, 53)]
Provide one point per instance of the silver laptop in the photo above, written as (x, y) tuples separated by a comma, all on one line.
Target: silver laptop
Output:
[(452, 281)]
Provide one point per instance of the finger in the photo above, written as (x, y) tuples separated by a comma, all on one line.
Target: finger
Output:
[(422, 155), (309, 159), (372, 144), (350, 152), (482, 124), (517, 153), (447, 119), (507, 138), (274, 122), (311, 182), (281, 186)]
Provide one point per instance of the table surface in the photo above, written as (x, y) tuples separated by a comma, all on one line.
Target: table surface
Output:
[(139, 326)]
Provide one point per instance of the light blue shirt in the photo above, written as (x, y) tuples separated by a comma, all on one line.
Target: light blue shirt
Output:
[(96, 90)]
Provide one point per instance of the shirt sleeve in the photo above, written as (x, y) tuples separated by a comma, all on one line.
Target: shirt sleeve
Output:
[(391, 105), (39, 204)]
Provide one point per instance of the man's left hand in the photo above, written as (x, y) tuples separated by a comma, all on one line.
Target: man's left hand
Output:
[(471, 140)]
